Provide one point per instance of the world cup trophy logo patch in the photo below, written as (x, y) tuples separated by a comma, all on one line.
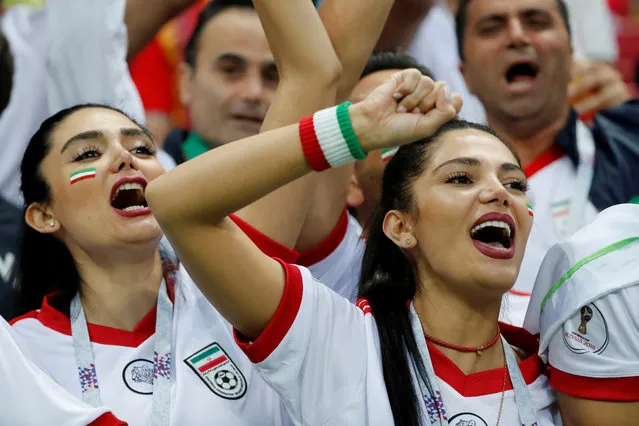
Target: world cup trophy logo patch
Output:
[(586, 315)]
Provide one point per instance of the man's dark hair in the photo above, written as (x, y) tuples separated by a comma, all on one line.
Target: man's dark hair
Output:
[(462, 16), (393, 60), (210, 11), (6, 72)]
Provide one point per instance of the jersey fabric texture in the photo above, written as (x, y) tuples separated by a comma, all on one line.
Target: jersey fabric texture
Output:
[(29, 397), (321, 354), (584, 308), (214, 382)]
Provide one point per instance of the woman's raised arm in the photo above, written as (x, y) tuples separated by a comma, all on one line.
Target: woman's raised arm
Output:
[(192, 201)]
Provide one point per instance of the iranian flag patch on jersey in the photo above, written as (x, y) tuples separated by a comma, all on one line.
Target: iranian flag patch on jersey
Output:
[(214, 367)]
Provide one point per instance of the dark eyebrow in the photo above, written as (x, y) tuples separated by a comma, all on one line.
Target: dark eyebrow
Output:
[(84, 136), (136, 132), (231, 57), (466, 161), (473, 162), (97, 134), (528, 13), (491, 17)]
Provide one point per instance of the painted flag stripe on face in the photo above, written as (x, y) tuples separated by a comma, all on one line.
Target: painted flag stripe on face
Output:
[(82, 175), (530, 210), (209, 359)]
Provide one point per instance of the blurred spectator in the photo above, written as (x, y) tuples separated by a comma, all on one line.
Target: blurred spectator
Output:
[(227, 80), (442, 57), (155, 74)]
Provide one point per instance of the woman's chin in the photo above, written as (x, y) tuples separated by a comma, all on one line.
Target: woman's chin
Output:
[(498, 280)]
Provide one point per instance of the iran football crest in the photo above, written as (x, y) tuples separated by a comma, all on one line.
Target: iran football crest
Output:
[(218, 371)]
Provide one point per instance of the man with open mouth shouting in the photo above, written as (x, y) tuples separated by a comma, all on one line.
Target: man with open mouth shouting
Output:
[(575, 168)]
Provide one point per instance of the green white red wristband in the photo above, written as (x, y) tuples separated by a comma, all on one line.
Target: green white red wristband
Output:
[(328, 138)]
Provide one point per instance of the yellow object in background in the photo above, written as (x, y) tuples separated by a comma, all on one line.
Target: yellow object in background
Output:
[(32, 3)]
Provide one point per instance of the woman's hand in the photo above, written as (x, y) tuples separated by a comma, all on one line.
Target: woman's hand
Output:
[(406, 108)]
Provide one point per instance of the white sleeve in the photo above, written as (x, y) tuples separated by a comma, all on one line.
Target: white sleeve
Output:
[(314, 353), (337, 261), (585, 15), (86, 61), (594, 354), (30, 397)]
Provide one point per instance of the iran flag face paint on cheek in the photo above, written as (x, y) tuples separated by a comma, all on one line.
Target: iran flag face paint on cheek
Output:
[(83, 174), (530, 210)]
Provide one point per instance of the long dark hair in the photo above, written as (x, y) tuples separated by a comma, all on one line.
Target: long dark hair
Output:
[(387, 279), (45, 264)]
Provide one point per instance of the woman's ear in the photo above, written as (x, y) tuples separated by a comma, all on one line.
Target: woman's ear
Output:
[(398, 227), (41, 219)]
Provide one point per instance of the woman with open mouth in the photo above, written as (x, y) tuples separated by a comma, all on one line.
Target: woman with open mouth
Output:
[(122, 325), (423, 345)]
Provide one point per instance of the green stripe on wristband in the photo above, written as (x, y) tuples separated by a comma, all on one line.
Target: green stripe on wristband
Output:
[(348, 133)]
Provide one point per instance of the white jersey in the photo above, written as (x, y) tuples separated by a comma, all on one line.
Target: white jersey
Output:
[(214, 382), (30, 398), (321, 354), (553, 180), (584, 307), (337, 262)]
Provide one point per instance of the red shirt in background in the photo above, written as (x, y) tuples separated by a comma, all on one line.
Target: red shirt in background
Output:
[(155, 68)]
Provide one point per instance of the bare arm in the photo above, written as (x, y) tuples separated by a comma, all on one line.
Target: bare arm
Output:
[(144, 18), (585, 412), (309, 72), (403, 22), (192, 201), (354, 27)]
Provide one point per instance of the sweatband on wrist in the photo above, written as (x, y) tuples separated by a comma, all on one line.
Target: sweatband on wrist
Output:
[(328, 138)]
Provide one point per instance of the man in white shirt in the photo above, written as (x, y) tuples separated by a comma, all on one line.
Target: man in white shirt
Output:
[(524, 89)]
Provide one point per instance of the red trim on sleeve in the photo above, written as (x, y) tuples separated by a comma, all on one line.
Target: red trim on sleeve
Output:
[(107, 419), (281, 322), (269, 246), (310, 145), (621, 389), (546, 158), (364, 306), (328, 246)]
